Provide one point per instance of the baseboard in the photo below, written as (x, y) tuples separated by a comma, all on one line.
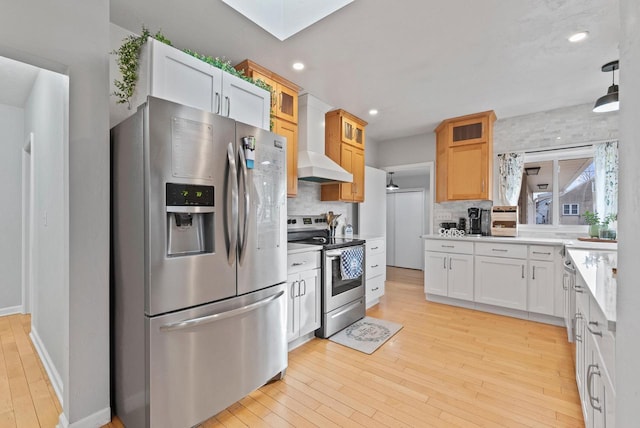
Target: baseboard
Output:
[(11, 310), (54, 376), (97, 419)]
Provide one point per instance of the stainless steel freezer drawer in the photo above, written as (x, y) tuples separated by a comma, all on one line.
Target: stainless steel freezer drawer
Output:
[(202, 360)]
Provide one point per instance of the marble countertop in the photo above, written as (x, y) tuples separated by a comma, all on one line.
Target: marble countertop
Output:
[(502, 239), (595, 267)]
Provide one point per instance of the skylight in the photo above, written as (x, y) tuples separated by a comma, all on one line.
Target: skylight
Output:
[(284, 18)]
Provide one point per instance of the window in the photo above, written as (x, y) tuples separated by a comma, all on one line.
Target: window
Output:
[(557, 187), (570, 209)]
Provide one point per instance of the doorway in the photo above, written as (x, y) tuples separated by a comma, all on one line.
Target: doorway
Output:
[(405, 226), (27, 226), (409, 211)]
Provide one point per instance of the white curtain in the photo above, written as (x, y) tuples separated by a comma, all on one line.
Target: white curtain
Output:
[(510, 167), (606, 178)]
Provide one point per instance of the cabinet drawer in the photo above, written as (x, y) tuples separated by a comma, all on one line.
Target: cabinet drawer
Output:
[(449, 246), (374, 288), (375, 265), (541, 252), (605, 339), (375, 246), (514, 251), (303, 261)]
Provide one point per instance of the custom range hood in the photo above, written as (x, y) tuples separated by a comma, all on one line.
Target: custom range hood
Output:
[(313, 164)]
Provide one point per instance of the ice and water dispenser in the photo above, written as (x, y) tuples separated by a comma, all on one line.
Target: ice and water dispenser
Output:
[(190, 219)]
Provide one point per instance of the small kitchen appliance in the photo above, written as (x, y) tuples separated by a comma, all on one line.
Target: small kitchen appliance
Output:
[(343, 300), (485, 222), (474, 221)]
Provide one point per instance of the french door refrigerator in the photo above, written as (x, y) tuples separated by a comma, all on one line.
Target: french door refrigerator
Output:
[(198, 263)]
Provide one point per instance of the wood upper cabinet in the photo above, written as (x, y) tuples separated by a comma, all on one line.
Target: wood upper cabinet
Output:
[(464, 158), (344, 144), (284, 114)]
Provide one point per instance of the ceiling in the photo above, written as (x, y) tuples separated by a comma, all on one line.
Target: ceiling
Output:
[(417, 63)]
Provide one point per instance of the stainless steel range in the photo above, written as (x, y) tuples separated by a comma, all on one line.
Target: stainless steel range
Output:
[(343, 298)]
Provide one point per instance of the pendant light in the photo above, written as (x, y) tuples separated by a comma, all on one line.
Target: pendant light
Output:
[(392, 186), (610, 101)]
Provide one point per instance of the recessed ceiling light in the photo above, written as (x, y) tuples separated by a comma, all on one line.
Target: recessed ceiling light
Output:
[(298, 66), (373, 112), (558, 138), (576, 37)]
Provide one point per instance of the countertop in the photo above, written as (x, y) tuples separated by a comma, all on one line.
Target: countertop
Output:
[(502, 239), (595, 267)]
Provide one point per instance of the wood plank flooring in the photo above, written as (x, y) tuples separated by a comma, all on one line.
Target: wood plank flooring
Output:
[(27, 398), (447, 367)]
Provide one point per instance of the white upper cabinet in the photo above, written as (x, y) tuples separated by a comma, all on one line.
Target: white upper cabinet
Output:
[(168, 73), (245, 102)]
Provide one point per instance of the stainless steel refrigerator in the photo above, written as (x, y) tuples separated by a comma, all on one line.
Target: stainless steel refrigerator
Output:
[(198, 263)]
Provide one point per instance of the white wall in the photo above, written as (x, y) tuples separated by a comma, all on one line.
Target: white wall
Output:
[(45, 117), (72, 37), (408, 150), (628, 300), (11, 141)]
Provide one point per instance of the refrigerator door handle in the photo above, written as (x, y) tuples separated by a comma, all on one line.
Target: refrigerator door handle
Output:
[(194, 322), (233, 230), (247, 204)]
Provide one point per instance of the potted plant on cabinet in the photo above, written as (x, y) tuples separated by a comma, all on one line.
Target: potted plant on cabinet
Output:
[(605, 231), (593, 220)]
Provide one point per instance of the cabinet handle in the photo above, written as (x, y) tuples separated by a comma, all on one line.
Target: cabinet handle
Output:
[(447, 246), (541, 252), (228, 106), (374, 266), (534, 273), (293, 290), (299, 263), (374, 248), (578, 338), (483, 185), (281, 98), (450, 259), (375, 289), (444, 260), (304, 283), (522, 271), (217, 103), (590, 374), (577, 288), (595, 333), (565, 278), (499, 250)]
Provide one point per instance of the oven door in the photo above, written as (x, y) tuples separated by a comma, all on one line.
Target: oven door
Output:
[(337, 291)]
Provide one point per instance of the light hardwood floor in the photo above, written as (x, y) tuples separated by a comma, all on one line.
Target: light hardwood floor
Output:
[(447, 367), (27, 398)]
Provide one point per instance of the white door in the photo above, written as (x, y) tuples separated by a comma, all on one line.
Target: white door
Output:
[(501, 282), (409, 221), (460, 284), (435, 273)]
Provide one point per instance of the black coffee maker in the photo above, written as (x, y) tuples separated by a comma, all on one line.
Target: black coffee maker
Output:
[(474, 221)]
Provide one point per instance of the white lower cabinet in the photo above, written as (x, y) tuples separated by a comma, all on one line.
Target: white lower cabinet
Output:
[(448, 274), (501, 282), (303, 303), (375, 270), (594, 367), (303, 294), (542, 287)]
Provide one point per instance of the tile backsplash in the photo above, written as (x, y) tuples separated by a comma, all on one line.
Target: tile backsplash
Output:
[(456, 210), (308, 203)]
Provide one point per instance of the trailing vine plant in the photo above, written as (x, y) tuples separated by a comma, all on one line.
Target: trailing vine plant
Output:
[(128, 61), (128, 58)]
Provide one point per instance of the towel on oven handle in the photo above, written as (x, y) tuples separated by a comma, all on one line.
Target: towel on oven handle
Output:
[(352, 262)]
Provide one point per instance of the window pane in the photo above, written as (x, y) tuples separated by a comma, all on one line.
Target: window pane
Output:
[(536, 194), (576, 184)]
